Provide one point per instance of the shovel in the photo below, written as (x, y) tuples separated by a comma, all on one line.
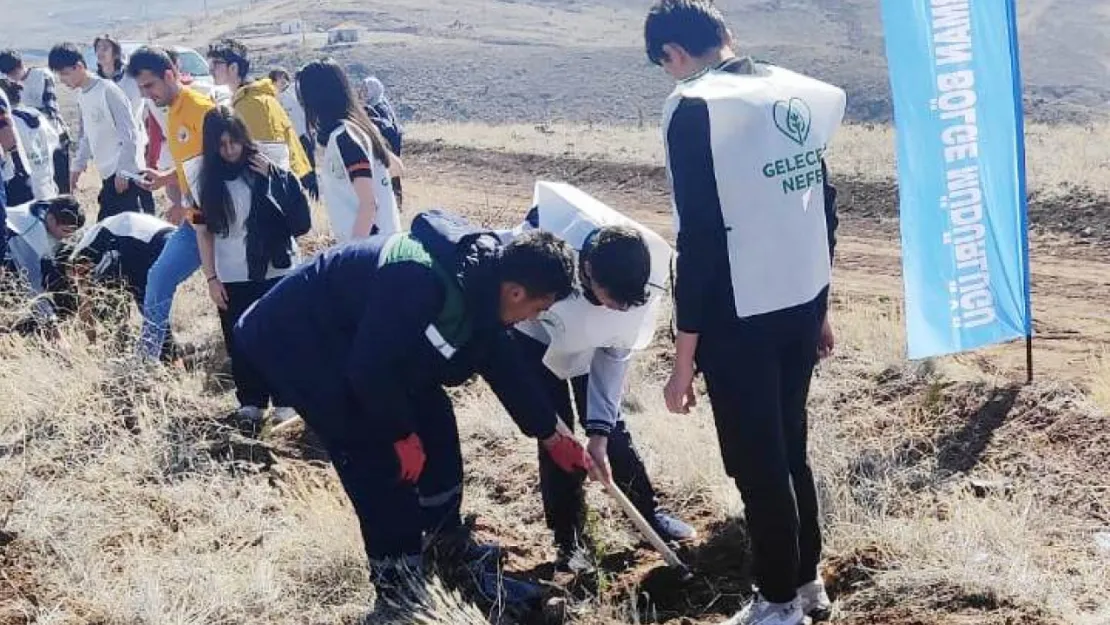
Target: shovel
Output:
[(648, 532)]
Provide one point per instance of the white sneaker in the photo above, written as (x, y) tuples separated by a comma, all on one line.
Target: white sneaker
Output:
[(814, 600), (763, 612), (281, 414)]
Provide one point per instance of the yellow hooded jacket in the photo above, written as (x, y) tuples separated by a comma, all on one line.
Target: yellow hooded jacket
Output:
[(257, 105)]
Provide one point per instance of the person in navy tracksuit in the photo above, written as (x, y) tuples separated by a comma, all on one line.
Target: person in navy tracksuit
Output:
[(361, 342)]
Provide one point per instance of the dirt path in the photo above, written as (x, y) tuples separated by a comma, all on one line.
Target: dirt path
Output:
[(1071, 276)]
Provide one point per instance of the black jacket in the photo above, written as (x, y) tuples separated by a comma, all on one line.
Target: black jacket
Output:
[(345, 337), (383, 117), (279, 212)]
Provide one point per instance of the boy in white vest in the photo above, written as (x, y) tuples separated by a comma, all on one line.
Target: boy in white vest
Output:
[(35, 233), (15, 185), (39, 139), (109, 135), (40, 94), (754, 218), (582, 349)]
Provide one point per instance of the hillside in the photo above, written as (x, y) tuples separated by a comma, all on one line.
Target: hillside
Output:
[(952, 495), (531, 60)]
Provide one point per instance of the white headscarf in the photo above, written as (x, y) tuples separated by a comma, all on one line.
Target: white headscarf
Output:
[(375, 90)]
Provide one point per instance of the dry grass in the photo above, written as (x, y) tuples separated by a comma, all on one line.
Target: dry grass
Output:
[(1100, 380), (1059, 157), (948, 497)]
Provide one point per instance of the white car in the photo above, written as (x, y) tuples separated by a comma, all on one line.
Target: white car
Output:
[(191, 64), (194, 72)]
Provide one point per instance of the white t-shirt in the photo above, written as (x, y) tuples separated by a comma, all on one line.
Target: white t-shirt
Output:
[(293, 108), (231, 250)]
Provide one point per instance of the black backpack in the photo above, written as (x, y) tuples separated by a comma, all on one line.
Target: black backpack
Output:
[(457, 246)]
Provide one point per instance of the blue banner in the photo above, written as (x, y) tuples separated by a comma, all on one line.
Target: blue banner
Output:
[(956, 82)]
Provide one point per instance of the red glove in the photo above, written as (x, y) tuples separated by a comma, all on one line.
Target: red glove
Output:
[(410, 453), (568, 454)]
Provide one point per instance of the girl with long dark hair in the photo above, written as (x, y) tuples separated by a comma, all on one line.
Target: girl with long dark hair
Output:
[(355, 171), (250, 210)]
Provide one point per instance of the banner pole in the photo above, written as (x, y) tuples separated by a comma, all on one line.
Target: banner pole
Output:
[(1023, 194), (1029, 358)]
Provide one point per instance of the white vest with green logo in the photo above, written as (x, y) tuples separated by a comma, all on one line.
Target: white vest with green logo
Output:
[(38, 145), (574, 328), (769, 130)]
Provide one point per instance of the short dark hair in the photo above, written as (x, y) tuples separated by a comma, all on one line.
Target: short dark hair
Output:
[(10, 60), (620, 263), (695, 25), (65, 209), (280, 74), (12, 89), (154, 59), (231, 51), (64, 56), (540, 262)]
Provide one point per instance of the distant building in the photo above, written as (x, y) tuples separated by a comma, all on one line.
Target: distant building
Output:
[(344, 33), (293, 27)]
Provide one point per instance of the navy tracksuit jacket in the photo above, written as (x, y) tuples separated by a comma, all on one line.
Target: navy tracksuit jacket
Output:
[(343, 341)]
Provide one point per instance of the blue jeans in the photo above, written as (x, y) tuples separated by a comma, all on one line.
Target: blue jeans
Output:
[(180, 258)]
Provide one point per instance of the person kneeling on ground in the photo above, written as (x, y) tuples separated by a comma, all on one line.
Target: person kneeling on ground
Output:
[(118, 252), (250, 211), (362, 341), (35, 233), (588, 339)]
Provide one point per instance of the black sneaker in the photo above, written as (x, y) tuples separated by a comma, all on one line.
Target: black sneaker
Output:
[(400, 587), (498, 588), (459, 547)]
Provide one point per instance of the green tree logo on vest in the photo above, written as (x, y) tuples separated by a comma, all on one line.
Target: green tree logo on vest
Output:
[(792, 119), (800, 171)]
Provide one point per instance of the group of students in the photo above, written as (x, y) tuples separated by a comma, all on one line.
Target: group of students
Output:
[(245, 176), (361, 340)]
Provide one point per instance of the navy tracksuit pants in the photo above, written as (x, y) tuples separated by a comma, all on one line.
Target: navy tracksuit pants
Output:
[(392, 515), (564, 501)]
